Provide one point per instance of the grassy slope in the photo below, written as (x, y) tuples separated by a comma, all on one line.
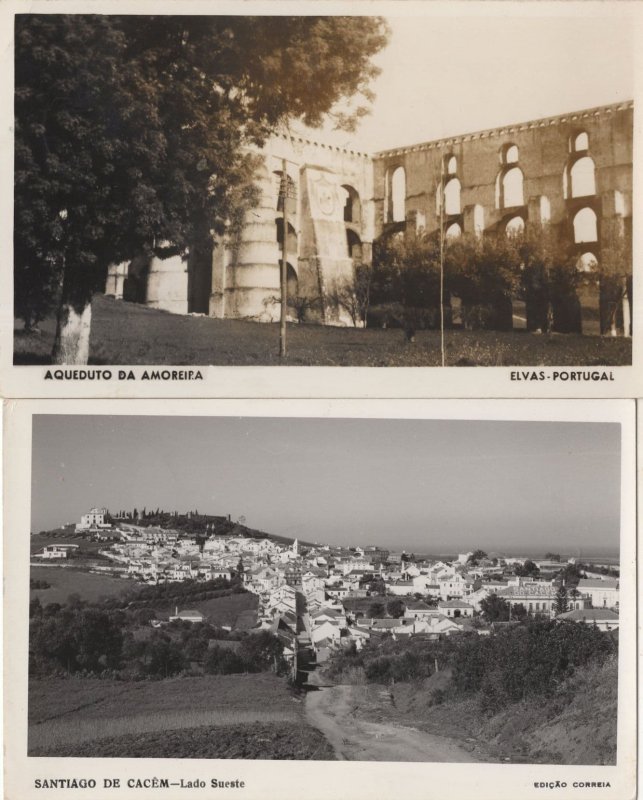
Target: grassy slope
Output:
[(125, 333), (218, 611), (231, 716), (576, 726), (66, 581)]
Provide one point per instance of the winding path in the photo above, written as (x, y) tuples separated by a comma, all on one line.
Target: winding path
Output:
[(333, 711)]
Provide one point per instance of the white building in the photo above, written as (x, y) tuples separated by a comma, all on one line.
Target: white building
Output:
[(602, 593), (94, 519), (56, 551)]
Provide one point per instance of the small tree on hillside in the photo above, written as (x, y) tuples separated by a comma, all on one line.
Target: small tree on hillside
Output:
[(560, 603)]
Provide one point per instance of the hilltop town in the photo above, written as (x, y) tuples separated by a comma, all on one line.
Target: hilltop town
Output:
[(319, 598)]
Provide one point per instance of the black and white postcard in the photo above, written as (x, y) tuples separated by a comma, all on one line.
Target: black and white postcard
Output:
[(213, 203), (227, 598)]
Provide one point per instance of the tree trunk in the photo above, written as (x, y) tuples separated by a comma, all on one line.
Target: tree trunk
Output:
[(71, 345)]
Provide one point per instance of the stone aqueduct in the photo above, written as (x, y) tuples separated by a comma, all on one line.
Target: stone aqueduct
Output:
[(573, 170)]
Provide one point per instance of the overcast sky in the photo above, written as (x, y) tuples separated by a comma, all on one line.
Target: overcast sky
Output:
[(483, 66), (427, 486)]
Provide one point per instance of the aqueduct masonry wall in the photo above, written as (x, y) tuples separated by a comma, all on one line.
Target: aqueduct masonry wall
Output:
[(573, 170)]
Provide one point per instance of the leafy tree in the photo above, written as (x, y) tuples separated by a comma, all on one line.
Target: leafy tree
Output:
[(221, 661), (552, 556), (261, 652), (476, 557), (35, 607), (376, 586), (395, 608), (75, 639), (494, 608), (129, 136), (484, 272), (164, 657), (527, 570), (615, 274), (571, 575), (353, 295), (376, 610)]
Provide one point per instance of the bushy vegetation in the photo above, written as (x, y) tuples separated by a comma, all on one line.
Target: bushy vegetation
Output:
[(78, 638), (526, 660), (537, 266), (257, 652), (523, 661), (163, 594)]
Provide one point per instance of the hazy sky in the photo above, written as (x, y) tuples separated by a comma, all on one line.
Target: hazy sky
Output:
[(428, 486), (448, 75)]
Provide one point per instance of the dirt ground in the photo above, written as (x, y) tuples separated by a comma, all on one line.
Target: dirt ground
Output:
[(335, 711)]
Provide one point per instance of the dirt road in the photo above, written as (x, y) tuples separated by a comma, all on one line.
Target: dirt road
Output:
[(334, 711)]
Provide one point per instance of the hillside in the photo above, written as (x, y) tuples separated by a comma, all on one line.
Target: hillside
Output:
[(574, 725), (194, 525)]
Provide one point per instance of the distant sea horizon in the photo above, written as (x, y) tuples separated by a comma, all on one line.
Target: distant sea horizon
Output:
[(597, 556)]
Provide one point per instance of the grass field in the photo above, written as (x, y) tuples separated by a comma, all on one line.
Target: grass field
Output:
[(236, 610), (66, 580), (231, 716), (126, 333)]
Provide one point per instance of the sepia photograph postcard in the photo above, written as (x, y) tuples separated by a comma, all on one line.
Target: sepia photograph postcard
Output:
[(253, 599), (398, 199)]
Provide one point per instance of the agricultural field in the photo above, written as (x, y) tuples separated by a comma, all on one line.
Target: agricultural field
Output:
[(126, 333), (235, 610), (230, 716), (67, 580)]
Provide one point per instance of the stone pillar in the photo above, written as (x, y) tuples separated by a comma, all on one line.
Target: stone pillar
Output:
[(167, 284), (116, 274), (539, 210), (246, 277)]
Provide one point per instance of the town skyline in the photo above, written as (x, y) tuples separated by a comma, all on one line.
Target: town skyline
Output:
[(422, 485)]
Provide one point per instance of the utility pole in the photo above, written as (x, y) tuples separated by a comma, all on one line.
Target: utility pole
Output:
[(442, 259), (283, 196)]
